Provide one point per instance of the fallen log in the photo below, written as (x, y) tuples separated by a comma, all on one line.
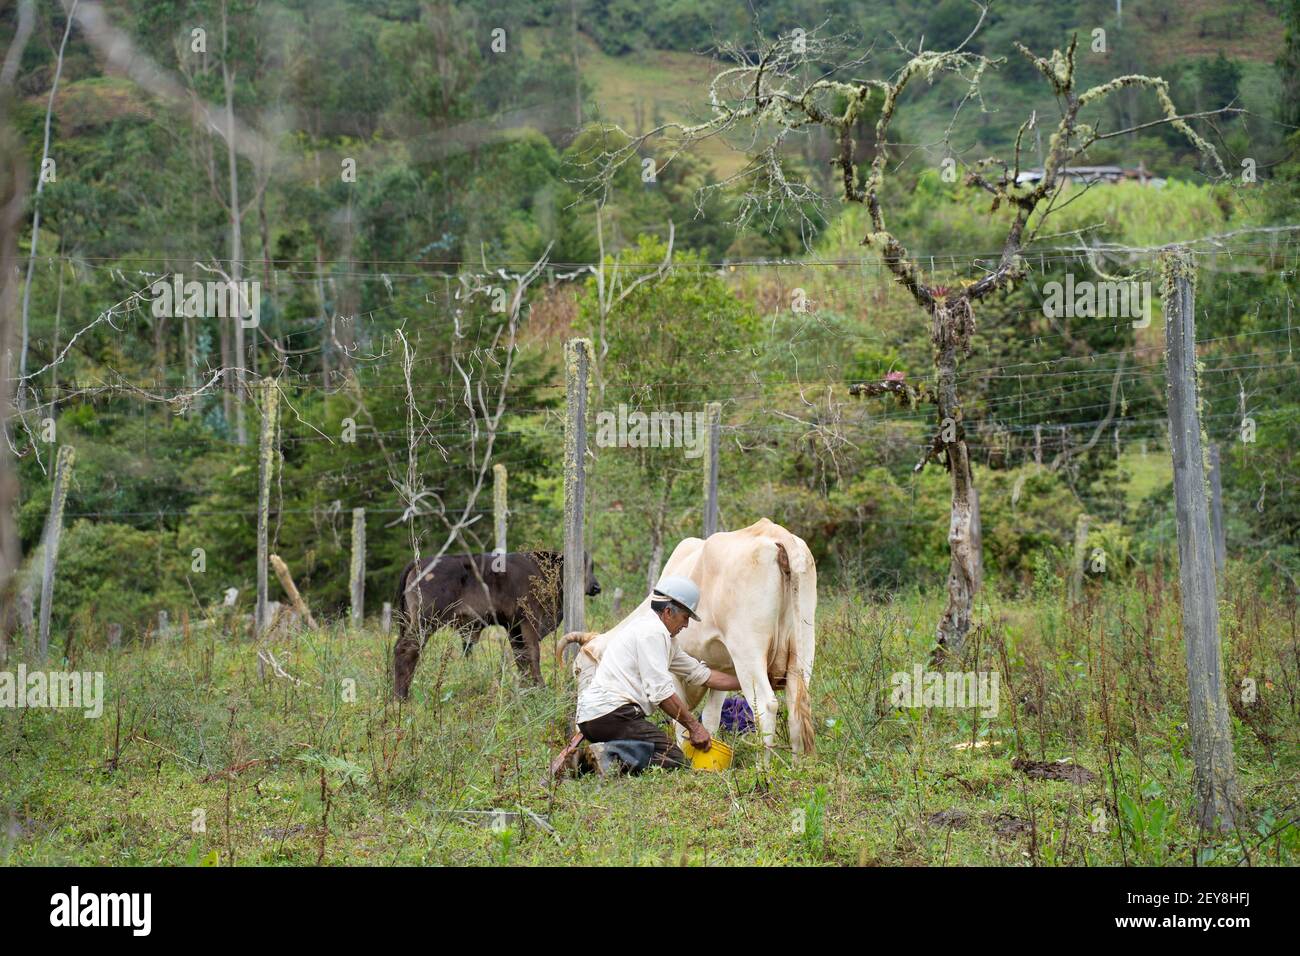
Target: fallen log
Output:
[(286, 582)]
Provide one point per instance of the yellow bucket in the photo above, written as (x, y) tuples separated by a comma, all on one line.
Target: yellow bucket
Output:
[(717, 757)]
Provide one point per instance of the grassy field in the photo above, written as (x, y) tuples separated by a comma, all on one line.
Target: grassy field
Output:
[(197, 760), (643, 89)]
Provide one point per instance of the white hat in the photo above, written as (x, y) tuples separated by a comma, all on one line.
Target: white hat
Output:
[(681, 591)]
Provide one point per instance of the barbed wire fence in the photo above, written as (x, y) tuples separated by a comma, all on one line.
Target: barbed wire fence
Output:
[(1002, 429)]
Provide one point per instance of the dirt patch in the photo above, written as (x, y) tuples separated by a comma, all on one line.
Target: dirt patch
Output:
[(231, 772), (283, 833), (97, 101), (1054, 770), (1007, 824), (949, 818)]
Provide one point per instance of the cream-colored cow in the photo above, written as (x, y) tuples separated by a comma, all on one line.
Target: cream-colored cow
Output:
[(758, 603)]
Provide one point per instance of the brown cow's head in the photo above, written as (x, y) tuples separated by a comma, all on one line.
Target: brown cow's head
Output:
[(593, 586), (554, 560)]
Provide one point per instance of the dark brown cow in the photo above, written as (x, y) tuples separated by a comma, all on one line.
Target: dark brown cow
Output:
[(462, 591)]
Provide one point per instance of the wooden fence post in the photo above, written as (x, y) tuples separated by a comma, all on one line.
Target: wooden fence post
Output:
[(1214, 779), (54, 529), (386, 618), (499, 512), (1216, 511), (713, 412), (266, 465), (577, 357), (358, 566), (1080, 555)]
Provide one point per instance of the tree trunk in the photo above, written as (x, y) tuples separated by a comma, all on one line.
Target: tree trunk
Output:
[(963, 566), (713, 413), (36, 207), (12, 196), (657, 537), (324, 313), (236, 247), (577, 77), (159, 349), (227, 362), (349, 306), (265, 228), (656, 559), (951, 331), (54, 529), (189, 350), (58, 331)]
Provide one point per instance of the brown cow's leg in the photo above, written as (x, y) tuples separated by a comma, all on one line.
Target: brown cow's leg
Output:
[(406, 651), (406, 654), (533, 642), (528, 652)]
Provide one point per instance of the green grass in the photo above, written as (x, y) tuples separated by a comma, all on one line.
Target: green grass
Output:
[(1145, 474), (643, 89), (289, 773)]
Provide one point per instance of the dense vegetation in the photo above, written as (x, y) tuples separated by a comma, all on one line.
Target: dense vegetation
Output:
[(138, 195)]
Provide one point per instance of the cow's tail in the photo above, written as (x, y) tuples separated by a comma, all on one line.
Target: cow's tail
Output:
[(799, 639)]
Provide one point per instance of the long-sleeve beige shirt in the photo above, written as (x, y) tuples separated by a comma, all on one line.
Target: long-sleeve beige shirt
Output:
[(637, 668)]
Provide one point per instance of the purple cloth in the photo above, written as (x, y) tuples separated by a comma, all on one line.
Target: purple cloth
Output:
[(737, 716)]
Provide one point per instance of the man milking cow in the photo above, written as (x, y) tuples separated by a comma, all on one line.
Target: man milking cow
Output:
[(635, 675), (523, 595), (520, 591)]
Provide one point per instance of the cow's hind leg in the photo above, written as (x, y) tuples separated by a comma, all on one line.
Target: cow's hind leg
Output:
[(526, 644), (799, 711), (758, 691)]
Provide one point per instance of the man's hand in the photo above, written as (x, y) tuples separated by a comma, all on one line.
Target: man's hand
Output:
[(678, 711), (700, 737)]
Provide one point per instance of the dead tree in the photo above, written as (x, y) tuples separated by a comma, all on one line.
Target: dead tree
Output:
[(13, 191), (786, 87), (484, 374), (53, 532), (36, 203), (228, 198)]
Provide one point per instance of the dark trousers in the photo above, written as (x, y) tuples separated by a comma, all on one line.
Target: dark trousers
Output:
[(628, 723)]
